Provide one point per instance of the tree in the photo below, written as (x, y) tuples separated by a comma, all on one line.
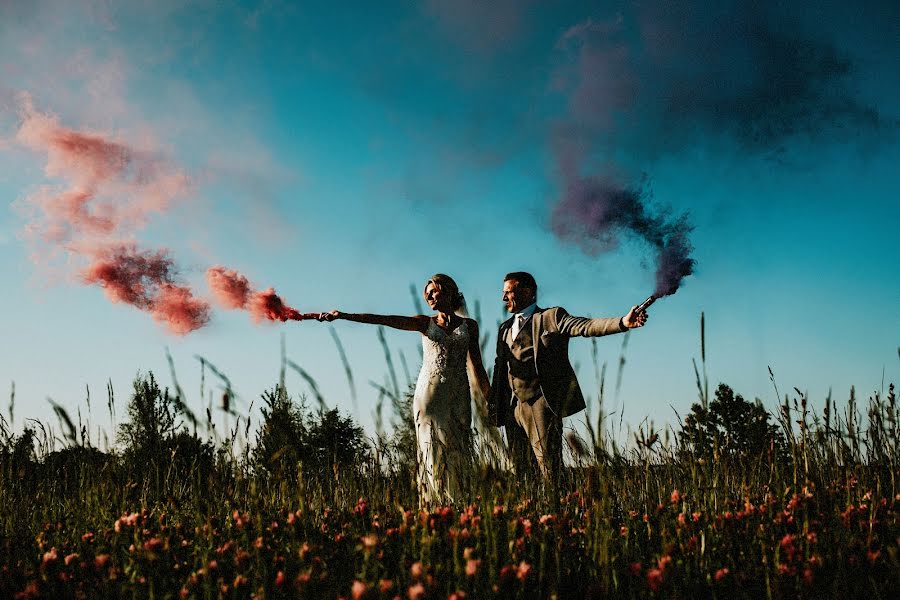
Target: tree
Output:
[(336, 440), (155, 444), (281, 440), (730, 428)]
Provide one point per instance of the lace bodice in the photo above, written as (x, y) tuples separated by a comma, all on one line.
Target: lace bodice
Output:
[(444, 353)]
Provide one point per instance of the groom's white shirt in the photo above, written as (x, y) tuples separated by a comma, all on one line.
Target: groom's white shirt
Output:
[(520, 317)]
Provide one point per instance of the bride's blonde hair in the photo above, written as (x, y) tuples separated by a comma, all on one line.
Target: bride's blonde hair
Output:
[(446, 284)]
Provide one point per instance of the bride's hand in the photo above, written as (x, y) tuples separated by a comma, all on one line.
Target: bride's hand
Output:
[(330, 316)]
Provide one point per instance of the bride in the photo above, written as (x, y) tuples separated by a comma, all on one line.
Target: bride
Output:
[(442, 410)]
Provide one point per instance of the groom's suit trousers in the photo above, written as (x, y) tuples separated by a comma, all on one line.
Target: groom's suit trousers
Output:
[(537, 432), (537, 428)]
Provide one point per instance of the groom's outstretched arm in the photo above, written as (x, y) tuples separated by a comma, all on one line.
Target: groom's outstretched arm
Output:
[(418, 323), (585, 327)]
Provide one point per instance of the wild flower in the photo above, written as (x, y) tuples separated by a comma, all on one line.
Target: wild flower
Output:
[(153, 544), (654, 579), (416, 592), (361, 508), (526, 526), (472, 566), (416, 570), (358, 590)]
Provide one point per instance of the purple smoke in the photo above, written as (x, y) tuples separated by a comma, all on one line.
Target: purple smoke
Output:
[(595, 213)]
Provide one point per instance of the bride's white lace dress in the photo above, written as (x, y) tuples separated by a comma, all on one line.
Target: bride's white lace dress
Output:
[(442, 411)]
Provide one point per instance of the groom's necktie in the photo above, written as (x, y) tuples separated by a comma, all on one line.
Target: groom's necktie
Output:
[(517, 324)]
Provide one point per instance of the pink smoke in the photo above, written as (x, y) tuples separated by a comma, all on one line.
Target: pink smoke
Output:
[(176, 306), (233, 290), (108, 190), (109, 187), (146, 280), (229, 287)]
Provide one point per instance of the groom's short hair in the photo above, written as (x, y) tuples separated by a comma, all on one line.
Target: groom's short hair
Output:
[(524, 279)]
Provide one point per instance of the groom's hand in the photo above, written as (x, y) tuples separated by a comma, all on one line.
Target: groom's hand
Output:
[(634, 319), (329, 316)]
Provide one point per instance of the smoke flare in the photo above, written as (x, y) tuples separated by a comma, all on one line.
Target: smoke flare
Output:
[(595, 212), (267, 305), (233, 290)]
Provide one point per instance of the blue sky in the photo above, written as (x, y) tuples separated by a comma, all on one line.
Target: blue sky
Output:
[(341, 154)]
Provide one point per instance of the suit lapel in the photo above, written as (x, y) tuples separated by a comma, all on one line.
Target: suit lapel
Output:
[(504, 330), (536, 326)]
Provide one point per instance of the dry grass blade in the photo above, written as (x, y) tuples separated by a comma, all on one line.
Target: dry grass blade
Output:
[(65, 421), (348, 371), (389, 361), (179, 399), (229, 391), (621, 369), (313, 386)]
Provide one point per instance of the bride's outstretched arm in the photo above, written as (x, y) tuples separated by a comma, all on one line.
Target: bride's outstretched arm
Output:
[(475, 356), (418, 323)]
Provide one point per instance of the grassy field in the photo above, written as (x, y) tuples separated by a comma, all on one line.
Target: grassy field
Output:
[(739, 503)]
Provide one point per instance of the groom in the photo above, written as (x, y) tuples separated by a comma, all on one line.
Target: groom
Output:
[(534, 385)]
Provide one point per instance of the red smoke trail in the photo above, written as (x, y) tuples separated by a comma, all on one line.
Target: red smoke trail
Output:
[(176, 306), (233, 290), (145, 279), (268, 305), (109, 189), (229, 287)]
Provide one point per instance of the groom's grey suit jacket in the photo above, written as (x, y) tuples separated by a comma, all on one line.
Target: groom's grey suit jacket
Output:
[(551, 329)]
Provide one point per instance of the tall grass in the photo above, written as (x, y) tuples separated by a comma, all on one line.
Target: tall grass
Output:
[(736, 503)]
